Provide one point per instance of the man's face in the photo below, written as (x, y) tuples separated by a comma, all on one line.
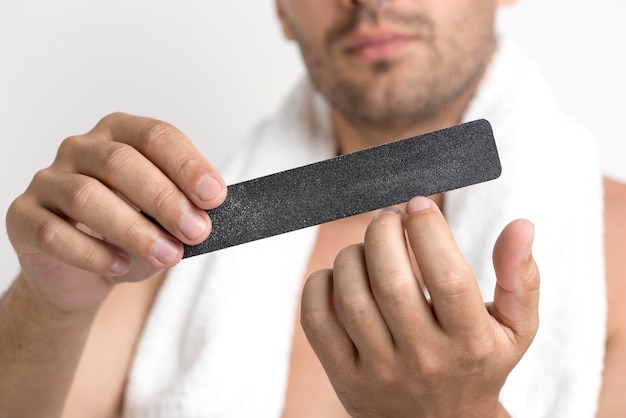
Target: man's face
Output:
[(384, 62)]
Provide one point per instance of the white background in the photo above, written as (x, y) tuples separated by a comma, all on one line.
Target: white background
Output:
[(214, 67)]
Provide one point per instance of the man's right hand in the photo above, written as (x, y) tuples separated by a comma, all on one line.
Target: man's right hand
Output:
[(78, 229)]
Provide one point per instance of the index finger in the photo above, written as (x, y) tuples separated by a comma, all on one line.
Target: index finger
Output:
[(173, 152), (455, 295), (396, 291)]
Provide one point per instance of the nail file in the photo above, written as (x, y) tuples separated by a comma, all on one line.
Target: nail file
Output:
[(353, 183)]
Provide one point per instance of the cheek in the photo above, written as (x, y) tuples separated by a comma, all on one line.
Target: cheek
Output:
[(464, 13), (309, 18), (467, 22), (310, 22)]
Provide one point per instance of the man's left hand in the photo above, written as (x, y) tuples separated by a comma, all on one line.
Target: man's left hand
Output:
[(402, 330)]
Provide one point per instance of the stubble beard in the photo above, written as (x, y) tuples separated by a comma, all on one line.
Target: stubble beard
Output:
[(389, 99)]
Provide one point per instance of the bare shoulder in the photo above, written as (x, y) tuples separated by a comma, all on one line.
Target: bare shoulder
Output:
[(615, 231), (615, 191), (615, 247), (100, 380), (612, 401)]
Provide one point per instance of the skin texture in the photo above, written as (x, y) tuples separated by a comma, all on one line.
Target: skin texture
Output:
[(323, 28), (77, 231), (424, 84), (389, 351), (79, 236), (612, 400)]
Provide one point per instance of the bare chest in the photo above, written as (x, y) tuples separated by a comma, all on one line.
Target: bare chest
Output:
[(309, 393)]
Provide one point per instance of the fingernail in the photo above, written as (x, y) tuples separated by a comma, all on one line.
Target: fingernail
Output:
[(417, 204), (391, 209), (193, 225), (165, 250), (121, 265), (209, 188)]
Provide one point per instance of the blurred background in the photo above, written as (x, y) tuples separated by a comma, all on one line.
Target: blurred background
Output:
[(214, 67)]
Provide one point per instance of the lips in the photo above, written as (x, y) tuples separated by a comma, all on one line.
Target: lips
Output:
[(377, 45)]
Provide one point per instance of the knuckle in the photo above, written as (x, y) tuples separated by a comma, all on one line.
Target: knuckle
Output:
[(105, 124), (83, 194), (135, 239), (112, 118), (476, 351), (314, 322), (322, 274), (14, 209), (453, 283), (354, 306), (386, 373), (89, 259), (69, 145), (427, 364), (16, 213), (189, 164), (115, 155), (347, 256), (314, 319), (163, 198), (378, 229), (531, 280), (316, 280), (156, 131), (395, 288), (47, 233), (42, 179), (132, 232), (384, 222)]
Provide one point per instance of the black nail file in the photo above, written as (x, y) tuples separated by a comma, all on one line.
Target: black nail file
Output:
[(354, 183)]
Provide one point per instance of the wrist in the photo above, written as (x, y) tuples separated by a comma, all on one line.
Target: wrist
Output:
[(501, 412), (33, 305), (64, 295), (41, 348), (493, 410)]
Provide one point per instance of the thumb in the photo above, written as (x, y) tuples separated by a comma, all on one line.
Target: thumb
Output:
[(516, 298)]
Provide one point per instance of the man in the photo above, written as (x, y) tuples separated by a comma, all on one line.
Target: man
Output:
[(79, 343)]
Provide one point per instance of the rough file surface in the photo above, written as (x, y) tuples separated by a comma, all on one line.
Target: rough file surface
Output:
[(353, 183)]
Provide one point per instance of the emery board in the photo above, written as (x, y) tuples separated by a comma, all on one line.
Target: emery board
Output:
[(353, 183)]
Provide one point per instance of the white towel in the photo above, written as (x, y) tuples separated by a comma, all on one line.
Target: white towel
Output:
[(217, 341)]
